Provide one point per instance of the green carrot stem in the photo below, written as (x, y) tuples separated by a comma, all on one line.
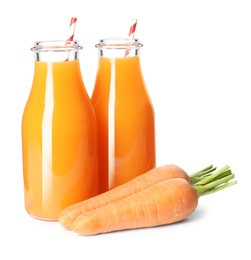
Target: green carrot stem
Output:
[(208, 169), (221, 187), (222, 172), (202, 188), (199, 175), (215, 181), (194, 180)]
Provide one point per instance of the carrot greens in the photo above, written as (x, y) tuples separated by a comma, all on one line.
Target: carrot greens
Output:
[(208, 181)]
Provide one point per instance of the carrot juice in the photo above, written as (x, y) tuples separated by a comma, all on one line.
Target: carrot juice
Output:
[(58, 136), (125, 115)]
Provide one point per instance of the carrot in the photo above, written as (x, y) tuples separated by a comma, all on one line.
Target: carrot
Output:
[(156, 175), (162, 203)]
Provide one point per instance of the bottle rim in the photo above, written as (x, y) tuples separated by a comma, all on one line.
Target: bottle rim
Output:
[(119, 43), (56, 46)]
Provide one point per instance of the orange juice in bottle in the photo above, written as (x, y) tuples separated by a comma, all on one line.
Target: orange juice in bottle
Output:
[(58, 133), (124, 112)]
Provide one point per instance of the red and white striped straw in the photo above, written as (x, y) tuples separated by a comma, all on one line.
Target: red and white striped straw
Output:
[(71, 33), (72, 29), (131, 33), (132, 29)]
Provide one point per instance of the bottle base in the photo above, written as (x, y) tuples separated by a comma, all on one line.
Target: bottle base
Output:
[(45, 219)]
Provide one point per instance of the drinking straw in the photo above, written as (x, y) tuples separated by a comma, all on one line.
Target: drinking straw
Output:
[(71, 32), (132, 29), (131, 33), (72, 29)]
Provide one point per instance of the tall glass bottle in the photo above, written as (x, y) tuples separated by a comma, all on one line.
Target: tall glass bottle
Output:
[(58, 133), (125, 114)]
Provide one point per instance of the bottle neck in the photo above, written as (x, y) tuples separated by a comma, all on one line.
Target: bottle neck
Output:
[(57, 67), (118, 47), (56, 51)]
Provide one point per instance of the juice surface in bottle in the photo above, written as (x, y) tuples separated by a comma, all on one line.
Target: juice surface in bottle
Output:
[(124, 112), (58, 134)]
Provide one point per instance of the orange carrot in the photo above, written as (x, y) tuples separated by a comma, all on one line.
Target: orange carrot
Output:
[(162, 203), (156, 175)]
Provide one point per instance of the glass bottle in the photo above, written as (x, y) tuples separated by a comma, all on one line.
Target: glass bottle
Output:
[(59, 141), (124, 112)]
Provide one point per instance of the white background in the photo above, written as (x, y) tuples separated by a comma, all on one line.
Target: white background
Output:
[(196, 62)]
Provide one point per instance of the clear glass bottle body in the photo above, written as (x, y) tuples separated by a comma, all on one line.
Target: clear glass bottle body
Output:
[(59, 137), (124, 112)]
